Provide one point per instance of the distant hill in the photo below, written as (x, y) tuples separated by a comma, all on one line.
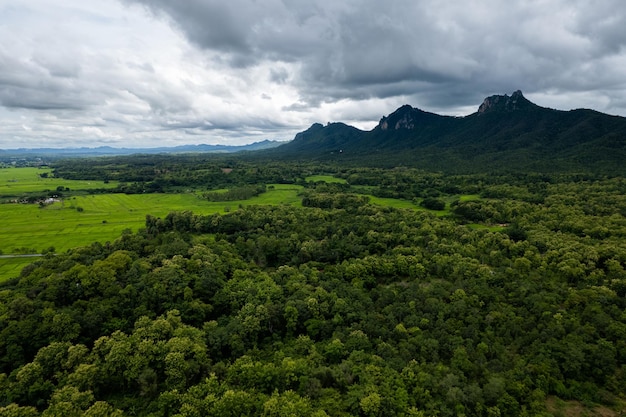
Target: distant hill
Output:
[(505, 133), (107, 150)]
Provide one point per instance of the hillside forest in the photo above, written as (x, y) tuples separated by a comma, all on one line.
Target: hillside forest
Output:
[(503, 296)]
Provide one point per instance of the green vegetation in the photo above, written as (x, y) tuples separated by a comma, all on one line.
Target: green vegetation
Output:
[(469, 197), (325, 178), (317, 298), (104, 217), (11, 266), (392, 202), (237, 193), (17, 182), (433, 203), (519, 137)]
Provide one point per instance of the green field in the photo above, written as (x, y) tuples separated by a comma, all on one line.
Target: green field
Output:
[(105, 216), (11, 267), (83, 219), (399, 203), (17, 181), (469, 197), (393, 202), (31, 229), (325, 178)]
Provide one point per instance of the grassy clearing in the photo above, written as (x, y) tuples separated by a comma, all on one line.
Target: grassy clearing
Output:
[(407, 204), (393, 202), (82, 220), (11, 267), (22, 174), (277, 194), (17, 181), (103, 218), (469, 197), (324, 178)]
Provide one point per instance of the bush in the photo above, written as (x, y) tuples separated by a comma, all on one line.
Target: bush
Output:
[(432, 203), (50, 249)]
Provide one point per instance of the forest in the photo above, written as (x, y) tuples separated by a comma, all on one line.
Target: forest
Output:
[(503, 296)]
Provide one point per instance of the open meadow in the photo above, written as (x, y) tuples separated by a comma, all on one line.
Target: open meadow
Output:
[(15, 182), (82, 220), (325, 178)]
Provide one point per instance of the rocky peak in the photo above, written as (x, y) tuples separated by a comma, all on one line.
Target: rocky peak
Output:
[(406, 117), (504, 103)]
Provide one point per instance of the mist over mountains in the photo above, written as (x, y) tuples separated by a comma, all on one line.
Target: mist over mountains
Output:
[(112, 151)]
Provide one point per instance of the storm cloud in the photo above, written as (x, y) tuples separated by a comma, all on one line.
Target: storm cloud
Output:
[(159, 72)]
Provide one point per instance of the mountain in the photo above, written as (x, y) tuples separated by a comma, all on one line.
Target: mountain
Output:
[(504, 103), (107, 150), (330, 138), (506, 132)]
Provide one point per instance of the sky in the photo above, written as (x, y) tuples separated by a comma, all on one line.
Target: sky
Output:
[(149, 73)]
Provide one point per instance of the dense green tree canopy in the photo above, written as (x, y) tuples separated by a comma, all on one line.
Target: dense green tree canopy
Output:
[(338, 307)]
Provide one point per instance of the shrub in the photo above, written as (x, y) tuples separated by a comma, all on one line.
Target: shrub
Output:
[(432, 203)]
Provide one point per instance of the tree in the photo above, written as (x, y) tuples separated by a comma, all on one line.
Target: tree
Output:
[(432, 203)]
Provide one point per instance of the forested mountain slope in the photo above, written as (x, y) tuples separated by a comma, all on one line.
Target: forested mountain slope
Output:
[(506, 133)]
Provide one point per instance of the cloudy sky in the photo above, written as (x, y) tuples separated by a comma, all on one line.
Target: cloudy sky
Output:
[(139, 73)]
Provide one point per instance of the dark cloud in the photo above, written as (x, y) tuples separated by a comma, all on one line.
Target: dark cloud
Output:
[(220, 25), (603, 24), (377, 49), (142, 70)]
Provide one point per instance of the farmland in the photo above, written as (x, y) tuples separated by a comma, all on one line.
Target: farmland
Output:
[(15, 182), (325, 178), (84, 219)]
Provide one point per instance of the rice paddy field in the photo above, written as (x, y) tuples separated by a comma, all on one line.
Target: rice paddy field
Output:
[(83, 219), (17, 181)]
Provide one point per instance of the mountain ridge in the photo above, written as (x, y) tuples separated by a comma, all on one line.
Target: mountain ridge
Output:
[(113, 151), (508, 132)]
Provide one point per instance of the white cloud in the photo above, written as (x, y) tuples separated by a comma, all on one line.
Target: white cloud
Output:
[(154, 72)]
